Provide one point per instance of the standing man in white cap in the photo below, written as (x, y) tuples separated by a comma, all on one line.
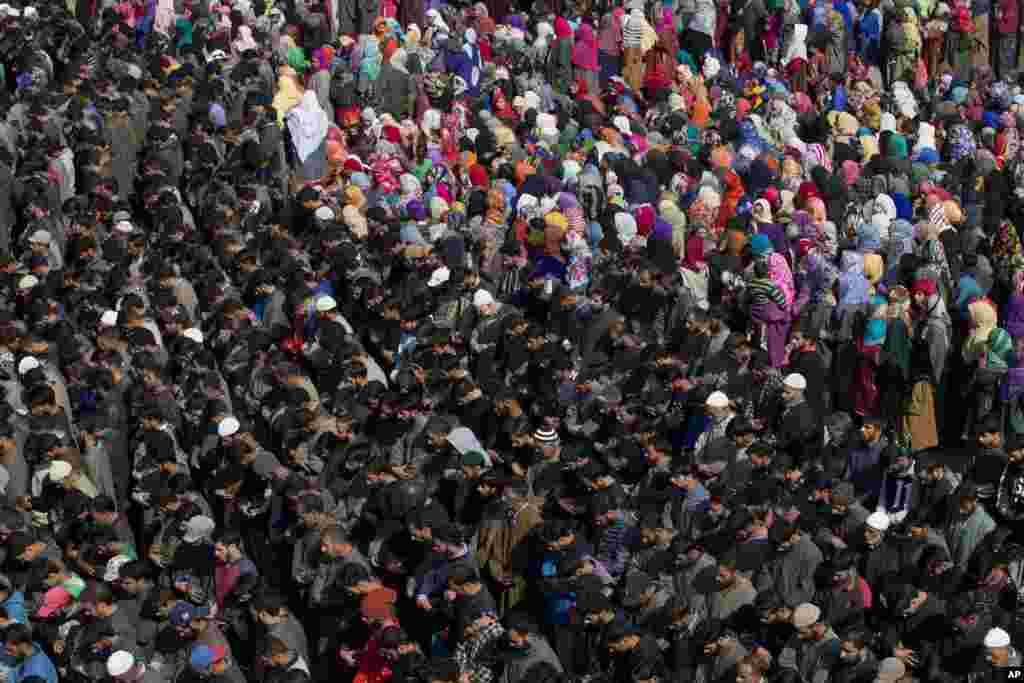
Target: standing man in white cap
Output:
[(882, 558), (489, 328), (796, 426), (713, 438)]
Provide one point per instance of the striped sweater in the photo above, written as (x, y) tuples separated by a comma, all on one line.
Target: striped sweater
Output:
[(633, 31), (764, 291)]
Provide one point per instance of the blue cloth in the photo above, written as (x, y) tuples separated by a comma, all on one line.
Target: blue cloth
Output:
[(870, 37), (15, 607), (760, 245), (874, 333), (869, 238), (968, 290), (36, 664), (894, 494), (862, 468)]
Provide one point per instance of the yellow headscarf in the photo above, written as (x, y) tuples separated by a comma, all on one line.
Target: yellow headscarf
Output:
[(289, 93)]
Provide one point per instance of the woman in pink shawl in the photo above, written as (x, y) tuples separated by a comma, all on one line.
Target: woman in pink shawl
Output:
[(584, 56), (774, 317)]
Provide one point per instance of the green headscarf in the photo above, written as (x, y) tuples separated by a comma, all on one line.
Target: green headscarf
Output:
[(897, 147), (297, 59)]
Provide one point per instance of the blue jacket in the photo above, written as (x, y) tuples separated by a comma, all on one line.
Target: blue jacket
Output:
[(15, 606), (36, 664)]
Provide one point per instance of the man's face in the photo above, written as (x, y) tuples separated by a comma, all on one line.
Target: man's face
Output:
[(790, 394), (132, 585), (1015, 456), (32, 552), (870, 432), (807, 632), (990, 440), (744, 440), (105, 518), (726, 576), (620, 646), (221, 552), (16, 650), (743, 354), (872, 536), (518, 638)]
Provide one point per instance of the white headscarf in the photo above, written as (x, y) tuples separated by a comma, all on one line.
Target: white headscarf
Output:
[(307, 124)]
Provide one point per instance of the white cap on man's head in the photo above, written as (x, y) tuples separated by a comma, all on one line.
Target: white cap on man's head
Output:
[(229, 426), (482, 298), (795, 381), (879, 521), (997, 637), (717, 399)]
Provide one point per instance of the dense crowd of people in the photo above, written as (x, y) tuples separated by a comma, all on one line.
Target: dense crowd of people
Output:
[(553, 341)]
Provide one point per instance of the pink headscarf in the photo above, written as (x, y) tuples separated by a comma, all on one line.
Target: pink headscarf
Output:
[(782, 276), (562, 28), (665, 22), (584, 52), (611, 32), (851, 172), (816, 207)]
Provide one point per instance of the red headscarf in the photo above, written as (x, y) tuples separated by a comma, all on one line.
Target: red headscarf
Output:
[(478, 176)]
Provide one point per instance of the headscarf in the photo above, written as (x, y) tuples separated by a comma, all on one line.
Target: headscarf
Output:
[(854, 288), (289, 93), (244, 41), (308, 125), (472, 50), (610, 38), (584, 52), (693, 257), (371, 59), (297, 59)]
